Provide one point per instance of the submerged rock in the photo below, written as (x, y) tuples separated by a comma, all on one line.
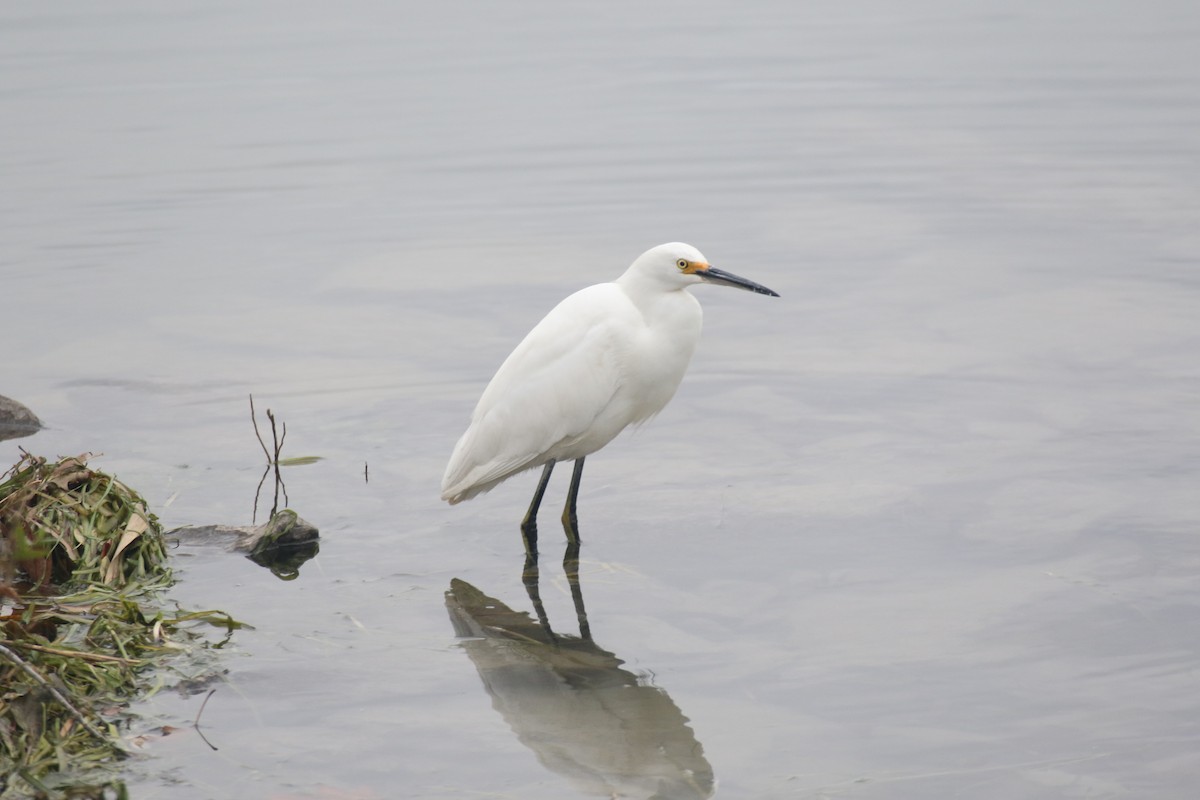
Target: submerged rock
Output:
[(281, 544), (16, 420)]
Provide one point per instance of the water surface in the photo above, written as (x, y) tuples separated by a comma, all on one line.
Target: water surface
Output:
[(924, 526)]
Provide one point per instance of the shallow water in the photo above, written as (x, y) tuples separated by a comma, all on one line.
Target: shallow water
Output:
[(924, 526)]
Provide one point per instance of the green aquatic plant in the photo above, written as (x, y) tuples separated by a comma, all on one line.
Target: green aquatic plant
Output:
[(65, 523), (83, 628)]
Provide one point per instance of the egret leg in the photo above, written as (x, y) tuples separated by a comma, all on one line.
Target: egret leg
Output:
[(570, 519), (529, 524)]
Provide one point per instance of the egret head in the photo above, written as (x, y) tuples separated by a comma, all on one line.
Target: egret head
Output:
[(679, 265)]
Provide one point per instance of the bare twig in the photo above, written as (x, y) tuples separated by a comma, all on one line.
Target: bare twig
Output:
[(55, 693), (258, 491), (196, 722), (80, 654), (277, 440), (278, 443), (254, 420)]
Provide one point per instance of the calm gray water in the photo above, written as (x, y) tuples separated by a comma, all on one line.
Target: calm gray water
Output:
[(926, 526)]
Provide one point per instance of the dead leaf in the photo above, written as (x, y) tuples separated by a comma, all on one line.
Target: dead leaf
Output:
[(136, 526)]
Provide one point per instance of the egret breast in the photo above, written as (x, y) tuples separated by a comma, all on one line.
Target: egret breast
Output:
[(659, 354)]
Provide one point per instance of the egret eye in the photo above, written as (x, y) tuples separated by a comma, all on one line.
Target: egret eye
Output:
[(682, 263)]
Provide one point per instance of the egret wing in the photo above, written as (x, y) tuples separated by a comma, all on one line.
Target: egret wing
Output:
[(548, 393)]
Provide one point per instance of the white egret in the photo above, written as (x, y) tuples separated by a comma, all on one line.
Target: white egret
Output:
[(607, 357)]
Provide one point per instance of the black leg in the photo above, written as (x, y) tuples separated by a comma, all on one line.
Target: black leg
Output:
[(570, 519), (529, 524)]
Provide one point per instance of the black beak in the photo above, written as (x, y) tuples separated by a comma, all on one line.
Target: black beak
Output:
[(723, 278)]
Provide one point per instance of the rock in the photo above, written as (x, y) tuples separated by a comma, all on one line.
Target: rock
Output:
[(282, 544), (16, 420)]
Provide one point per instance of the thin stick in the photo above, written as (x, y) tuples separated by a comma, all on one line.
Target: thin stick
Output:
[(196, 722), (132, 662), (55, 693), (258, 491), (278, 443), (279, 452), (254, 420)]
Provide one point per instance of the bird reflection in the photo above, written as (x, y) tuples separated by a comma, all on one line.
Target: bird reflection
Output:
[(604, 728)]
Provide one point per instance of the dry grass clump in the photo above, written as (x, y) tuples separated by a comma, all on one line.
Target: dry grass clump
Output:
[(81, 625), (65, 523)]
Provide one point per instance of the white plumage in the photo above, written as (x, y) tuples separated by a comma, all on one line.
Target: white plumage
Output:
[(607, 357)]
